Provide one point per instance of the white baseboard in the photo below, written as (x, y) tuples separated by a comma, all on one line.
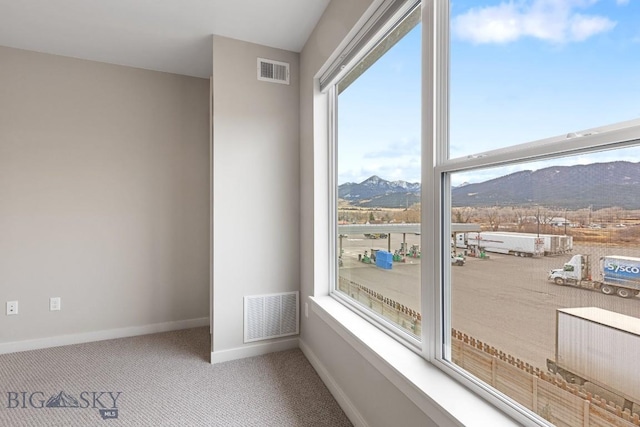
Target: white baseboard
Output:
[(108, 334), (347, 406), (253, 350)]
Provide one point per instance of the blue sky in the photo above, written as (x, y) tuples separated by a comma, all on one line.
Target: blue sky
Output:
[(520, 71)]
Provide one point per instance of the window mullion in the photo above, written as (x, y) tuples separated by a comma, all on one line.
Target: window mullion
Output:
[(595, 140), (332, 131), (435, 119)]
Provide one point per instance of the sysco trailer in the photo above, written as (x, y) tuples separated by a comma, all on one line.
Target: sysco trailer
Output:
[(615, 275), (598, 346)]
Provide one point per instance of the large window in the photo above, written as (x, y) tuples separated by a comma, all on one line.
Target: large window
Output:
[(528, 70), (378, 174), (541, 162), (511, 198)]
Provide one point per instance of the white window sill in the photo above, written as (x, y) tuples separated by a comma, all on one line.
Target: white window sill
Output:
[(444, 400)]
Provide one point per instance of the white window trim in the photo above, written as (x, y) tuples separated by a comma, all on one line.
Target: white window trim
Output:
[(615, 136), (414, 343), (445, 401), (437, 220), (448, 389), (435, 123), (384, 16), (435, 131), (403, 361), (595, 139)]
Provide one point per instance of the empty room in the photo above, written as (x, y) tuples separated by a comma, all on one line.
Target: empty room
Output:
[(299, 213)]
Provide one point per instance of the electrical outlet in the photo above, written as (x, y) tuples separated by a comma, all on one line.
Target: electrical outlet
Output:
[(12, 307), (55, 304)]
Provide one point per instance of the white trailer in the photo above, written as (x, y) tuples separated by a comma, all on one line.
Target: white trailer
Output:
[(598, 346), (554, 244), (518, 244)]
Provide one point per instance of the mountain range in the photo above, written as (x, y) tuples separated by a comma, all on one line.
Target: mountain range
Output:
[(377, 192), (598, 185)]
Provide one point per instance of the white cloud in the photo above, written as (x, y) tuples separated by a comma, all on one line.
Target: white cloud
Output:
[(550, 20), (496, 24), (622, 2), (582, 27)]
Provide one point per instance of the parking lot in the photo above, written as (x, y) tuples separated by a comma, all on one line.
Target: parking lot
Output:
[(505, 301)]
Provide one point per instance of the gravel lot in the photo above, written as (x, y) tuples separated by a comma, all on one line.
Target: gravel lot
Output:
[(505, 301)]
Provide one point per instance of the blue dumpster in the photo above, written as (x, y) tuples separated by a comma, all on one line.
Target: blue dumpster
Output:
[(384, 259)]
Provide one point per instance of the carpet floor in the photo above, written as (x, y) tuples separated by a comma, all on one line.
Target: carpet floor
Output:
[(161, 380)]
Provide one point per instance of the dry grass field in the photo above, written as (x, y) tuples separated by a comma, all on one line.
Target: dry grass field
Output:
[(610, 226), (609, 236)]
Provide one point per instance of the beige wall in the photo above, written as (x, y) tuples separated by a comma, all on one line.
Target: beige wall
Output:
[(104, 181), (370, 393), (256, 203)]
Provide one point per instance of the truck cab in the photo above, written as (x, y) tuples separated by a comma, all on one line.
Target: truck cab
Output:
[(457, 259), (574, 271)]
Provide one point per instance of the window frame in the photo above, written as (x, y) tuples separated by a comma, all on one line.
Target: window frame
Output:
[(392, 13), (435, 194), (615, 136), (436, 138)]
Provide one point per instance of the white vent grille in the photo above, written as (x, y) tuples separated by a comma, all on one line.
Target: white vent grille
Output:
[(271, 316), (273, 71)]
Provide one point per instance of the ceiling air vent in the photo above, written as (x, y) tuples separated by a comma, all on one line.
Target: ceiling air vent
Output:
[(273, 71)]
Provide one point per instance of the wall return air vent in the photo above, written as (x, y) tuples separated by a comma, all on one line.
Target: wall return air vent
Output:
[(273, 71), (271, 316)]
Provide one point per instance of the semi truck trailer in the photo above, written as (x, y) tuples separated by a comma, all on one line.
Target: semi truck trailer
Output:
[(518, 244), (507, 243), (598, 346), (616, 275), (555, 244)]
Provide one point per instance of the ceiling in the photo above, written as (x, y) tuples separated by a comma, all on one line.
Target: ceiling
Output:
[(164, 35)]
